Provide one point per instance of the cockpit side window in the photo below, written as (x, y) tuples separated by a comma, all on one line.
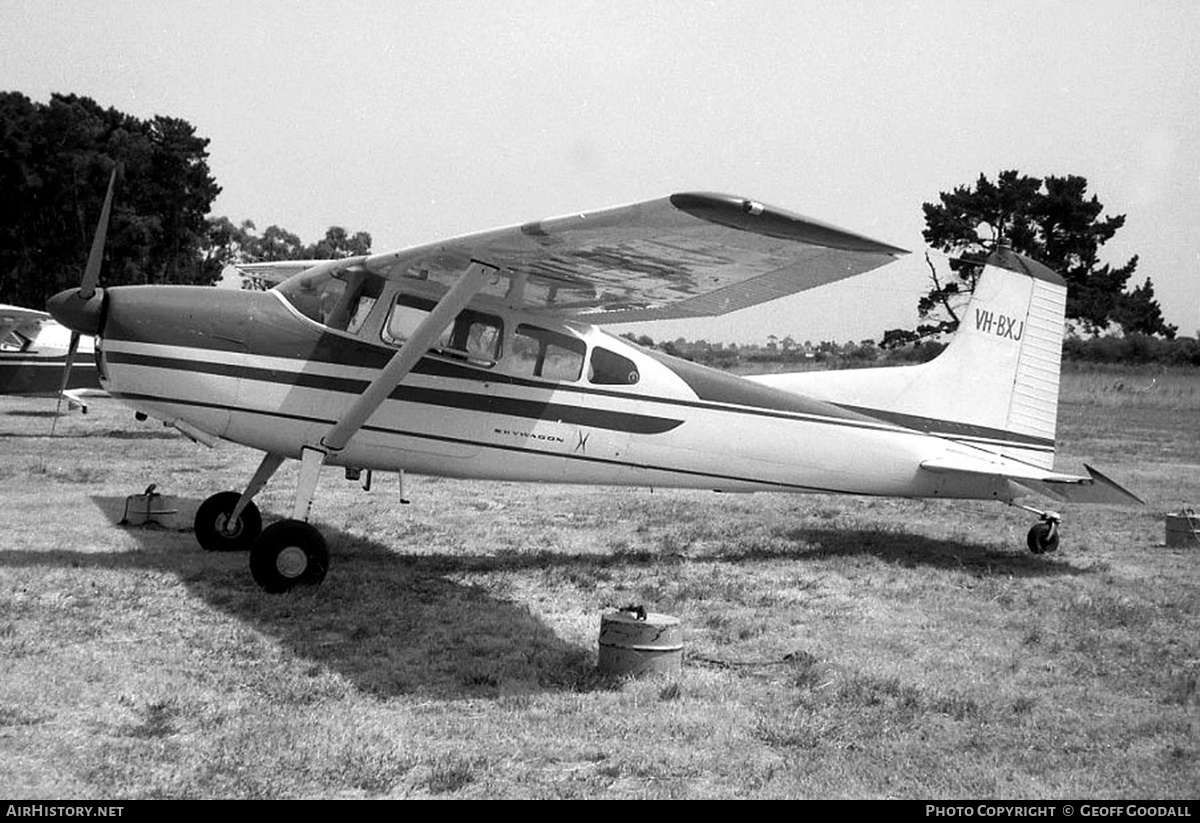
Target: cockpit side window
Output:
[(473, 336), (612, 369), (538, 352)]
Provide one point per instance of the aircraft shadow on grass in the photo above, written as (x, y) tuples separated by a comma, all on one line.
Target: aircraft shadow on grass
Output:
[(109, 433), (396, 624), (47, 413)]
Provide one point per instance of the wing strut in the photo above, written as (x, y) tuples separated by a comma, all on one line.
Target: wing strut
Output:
[(402, 362)]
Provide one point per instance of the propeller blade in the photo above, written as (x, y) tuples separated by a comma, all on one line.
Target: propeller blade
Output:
[(91, 275), (66, 381)]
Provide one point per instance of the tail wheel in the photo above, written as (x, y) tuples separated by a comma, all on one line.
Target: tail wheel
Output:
[(1043, 538), (215, 532), (288, 554)]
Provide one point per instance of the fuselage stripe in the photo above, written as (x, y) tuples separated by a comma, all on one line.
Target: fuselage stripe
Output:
[(494, 446), (470, 401), (234, 364), (228, 366)]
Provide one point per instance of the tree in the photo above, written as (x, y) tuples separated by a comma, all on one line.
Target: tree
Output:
[(55, 161), (338, 243), (1050, 220), (226, 243)]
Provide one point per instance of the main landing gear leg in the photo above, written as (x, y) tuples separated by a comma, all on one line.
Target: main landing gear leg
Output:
[(1043, 536), (229, 521), (292, 553)]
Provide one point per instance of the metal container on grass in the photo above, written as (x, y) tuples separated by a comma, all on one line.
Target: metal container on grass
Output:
[(635, 642), (1183, 529)]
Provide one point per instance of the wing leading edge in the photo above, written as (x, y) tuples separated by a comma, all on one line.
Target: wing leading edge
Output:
[(686, 255), (19, 325)]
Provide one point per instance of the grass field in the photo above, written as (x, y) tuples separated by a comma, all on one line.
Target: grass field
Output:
[(835, 647)]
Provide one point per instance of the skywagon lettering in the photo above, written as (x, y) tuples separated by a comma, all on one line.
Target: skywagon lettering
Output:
[(549, 438), (1000, 325)]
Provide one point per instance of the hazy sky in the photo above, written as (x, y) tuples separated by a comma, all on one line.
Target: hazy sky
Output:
[(414, 120)]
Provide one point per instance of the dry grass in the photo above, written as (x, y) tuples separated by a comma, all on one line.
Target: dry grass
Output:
[(836, 647)]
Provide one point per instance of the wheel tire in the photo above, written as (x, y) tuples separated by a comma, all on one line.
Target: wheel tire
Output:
[(1043, 538), (288, 554), (212, 517)]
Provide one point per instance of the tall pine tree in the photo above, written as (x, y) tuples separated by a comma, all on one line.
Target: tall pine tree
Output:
[(1051, 220)]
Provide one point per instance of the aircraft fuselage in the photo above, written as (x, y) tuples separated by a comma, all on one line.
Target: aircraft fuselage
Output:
[(253, 369)]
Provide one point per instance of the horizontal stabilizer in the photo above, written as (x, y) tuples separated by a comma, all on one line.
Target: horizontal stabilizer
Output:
[(1096, 488), (1066, 488)]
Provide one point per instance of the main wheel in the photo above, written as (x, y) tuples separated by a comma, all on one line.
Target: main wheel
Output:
[(289, 553), (1043, 538), (215, 532)]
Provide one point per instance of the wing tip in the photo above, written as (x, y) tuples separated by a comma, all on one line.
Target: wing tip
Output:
[(754, 216)]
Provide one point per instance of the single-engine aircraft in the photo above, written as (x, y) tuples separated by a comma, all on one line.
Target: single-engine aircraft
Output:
[(33, 358), (482, 356)]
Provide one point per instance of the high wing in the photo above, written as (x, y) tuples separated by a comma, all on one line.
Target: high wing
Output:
[(20, 326), (686, 255)]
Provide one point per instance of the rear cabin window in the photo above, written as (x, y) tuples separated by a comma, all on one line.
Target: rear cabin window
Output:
[(538, 352), (611, 369), (474, 336)]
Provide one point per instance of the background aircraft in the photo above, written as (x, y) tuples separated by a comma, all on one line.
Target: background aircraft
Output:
[(33, 357), (480, 357)]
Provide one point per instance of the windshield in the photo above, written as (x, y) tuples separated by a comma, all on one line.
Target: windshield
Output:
[(339, 299)]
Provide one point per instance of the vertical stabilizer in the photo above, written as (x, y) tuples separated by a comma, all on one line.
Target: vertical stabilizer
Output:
[(996, 384)]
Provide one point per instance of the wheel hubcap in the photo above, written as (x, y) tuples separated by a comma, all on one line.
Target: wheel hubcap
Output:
[(227, 527), (291, 562)]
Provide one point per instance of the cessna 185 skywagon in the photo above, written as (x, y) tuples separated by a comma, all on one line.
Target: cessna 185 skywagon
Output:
[(482, 357)]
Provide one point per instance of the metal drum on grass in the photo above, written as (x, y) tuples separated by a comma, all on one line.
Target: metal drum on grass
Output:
[(634, 643)]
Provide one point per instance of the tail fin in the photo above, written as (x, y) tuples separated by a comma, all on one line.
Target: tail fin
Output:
[(996, 384)]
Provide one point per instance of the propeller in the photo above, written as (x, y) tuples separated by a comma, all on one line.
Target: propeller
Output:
[(80, 309)]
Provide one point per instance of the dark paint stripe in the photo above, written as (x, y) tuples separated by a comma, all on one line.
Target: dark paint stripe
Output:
[(470, 401), (947, 428), (276, 332), (802, 409), (721, 387), (494, 446)]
